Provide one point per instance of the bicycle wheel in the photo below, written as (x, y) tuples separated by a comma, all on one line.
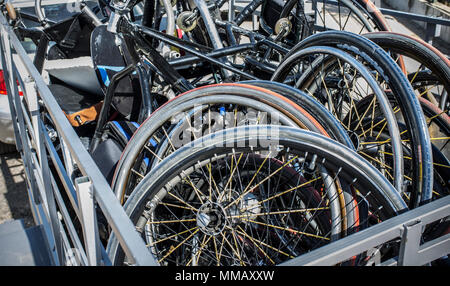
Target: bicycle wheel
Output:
[(339, 81), (140, 159), (427, 68), (344, 15), (390, 77), (324, 117), (265, 208), (439, 123), (439, 128), (157, 126), (318, 111)]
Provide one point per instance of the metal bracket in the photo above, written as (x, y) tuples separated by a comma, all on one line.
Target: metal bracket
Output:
[(412, 232), (89, 218), (113, 22)]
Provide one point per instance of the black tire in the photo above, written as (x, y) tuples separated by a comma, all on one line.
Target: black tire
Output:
[(312, 106), (435, 63), (312, 64), (440, 122), (380, 62), (129, 157), (355, 171)]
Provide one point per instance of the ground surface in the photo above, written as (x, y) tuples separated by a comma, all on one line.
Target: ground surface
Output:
[(405, 26), (13, 191)]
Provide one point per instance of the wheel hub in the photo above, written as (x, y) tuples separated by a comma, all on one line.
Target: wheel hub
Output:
[(247, 209), (211, 218)]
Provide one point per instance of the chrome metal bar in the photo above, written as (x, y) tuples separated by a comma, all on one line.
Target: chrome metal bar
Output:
[(70, 227), (212, 31), (231, 10), (194, 52), (89, 220), (64, 178)]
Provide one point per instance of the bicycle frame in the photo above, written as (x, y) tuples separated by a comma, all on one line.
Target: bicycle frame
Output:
[(136, 39)]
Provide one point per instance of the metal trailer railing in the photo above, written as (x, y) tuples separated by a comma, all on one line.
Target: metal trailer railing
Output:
[(407, 229), (433, 24), (432, 29), (37, 150), (50, 211)]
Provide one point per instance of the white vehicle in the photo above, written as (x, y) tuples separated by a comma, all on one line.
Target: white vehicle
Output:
[(7, 140)]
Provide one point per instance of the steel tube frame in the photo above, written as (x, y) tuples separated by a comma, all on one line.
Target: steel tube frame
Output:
[(431, 22), (152, 33)]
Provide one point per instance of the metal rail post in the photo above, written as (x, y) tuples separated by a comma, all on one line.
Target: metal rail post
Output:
[(407, 227), (412, 232), (89, 218)]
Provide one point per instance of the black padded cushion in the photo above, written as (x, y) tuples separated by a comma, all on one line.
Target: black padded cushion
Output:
[(108, 152), (70, 100), (106, 156)]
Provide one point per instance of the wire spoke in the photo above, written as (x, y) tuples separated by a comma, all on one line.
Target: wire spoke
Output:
[(288, 229)]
